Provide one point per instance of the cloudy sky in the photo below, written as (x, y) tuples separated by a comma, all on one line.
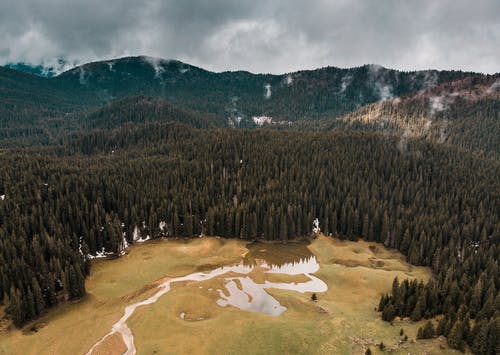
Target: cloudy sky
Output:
[(274, 36)]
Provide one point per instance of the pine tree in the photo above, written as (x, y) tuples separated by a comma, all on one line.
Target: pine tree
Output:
[(384, 300), (455, 338), (38, 297), (30, 305), (15, 307), (283, 228), (427, 331), (419, 309), (388, 313)]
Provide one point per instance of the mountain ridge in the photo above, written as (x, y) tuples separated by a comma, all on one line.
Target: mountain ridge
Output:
[(441, 113), (39, 69), (39, 110)]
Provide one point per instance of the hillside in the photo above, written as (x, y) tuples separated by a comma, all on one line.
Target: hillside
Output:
[(39, 110), (464, 113), (304, 94), (138, 109)]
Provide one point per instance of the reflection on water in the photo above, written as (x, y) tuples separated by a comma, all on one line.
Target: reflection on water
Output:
[(303, 266), (276, 254), (246, 294)]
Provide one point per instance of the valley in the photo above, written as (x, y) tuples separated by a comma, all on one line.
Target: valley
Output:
[(260, 177), (356, 274), (103, 193)]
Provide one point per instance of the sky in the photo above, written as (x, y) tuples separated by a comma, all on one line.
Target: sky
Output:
[(261, 36)]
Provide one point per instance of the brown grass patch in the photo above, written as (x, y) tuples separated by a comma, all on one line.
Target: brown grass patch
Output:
[(112, 345)]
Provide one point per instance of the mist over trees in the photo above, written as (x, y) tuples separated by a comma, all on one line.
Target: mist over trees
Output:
[(111, 153)]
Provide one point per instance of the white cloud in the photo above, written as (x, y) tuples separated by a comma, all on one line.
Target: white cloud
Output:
[(260, 36)]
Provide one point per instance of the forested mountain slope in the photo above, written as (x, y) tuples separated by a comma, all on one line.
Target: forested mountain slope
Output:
[(37, 108), (304, 94), (438, 205), (139, 109), (465, 113), (141, 147)]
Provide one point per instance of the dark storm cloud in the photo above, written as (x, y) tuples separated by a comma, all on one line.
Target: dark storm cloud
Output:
[(258, 35)]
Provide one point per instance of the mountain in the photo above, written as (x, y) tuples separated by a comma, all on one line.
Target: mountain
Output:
[(36, 108), (147, 145), (305, 94), (464, 112)]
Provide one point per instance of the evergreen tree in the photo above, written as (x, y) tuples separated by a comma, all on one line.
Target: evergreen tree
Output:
[(455, 338), (15, 306)]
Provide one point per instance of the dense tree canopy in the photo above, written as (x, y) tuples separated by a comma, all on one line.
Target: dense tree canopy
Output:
[(97, 192), (113, 152), (38, 110)]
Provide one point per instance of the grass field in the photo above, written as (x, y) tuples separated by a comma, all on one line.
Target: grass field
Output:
[(74, 328), (343, 320)]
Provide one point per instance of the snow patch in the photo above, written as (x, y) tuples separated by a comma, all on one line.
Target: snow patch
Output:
[(475, 244), (316, 228), (236, 120), (261, 120), (288, 79), (142, 240), (2, 197), (137, 238), (124, 243), (80, 250), (136, 235), (100, 254)]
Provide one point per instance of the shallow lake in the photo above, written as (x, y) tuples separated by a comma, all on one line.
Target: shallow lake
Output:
[(246, 290), (289, 259)]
